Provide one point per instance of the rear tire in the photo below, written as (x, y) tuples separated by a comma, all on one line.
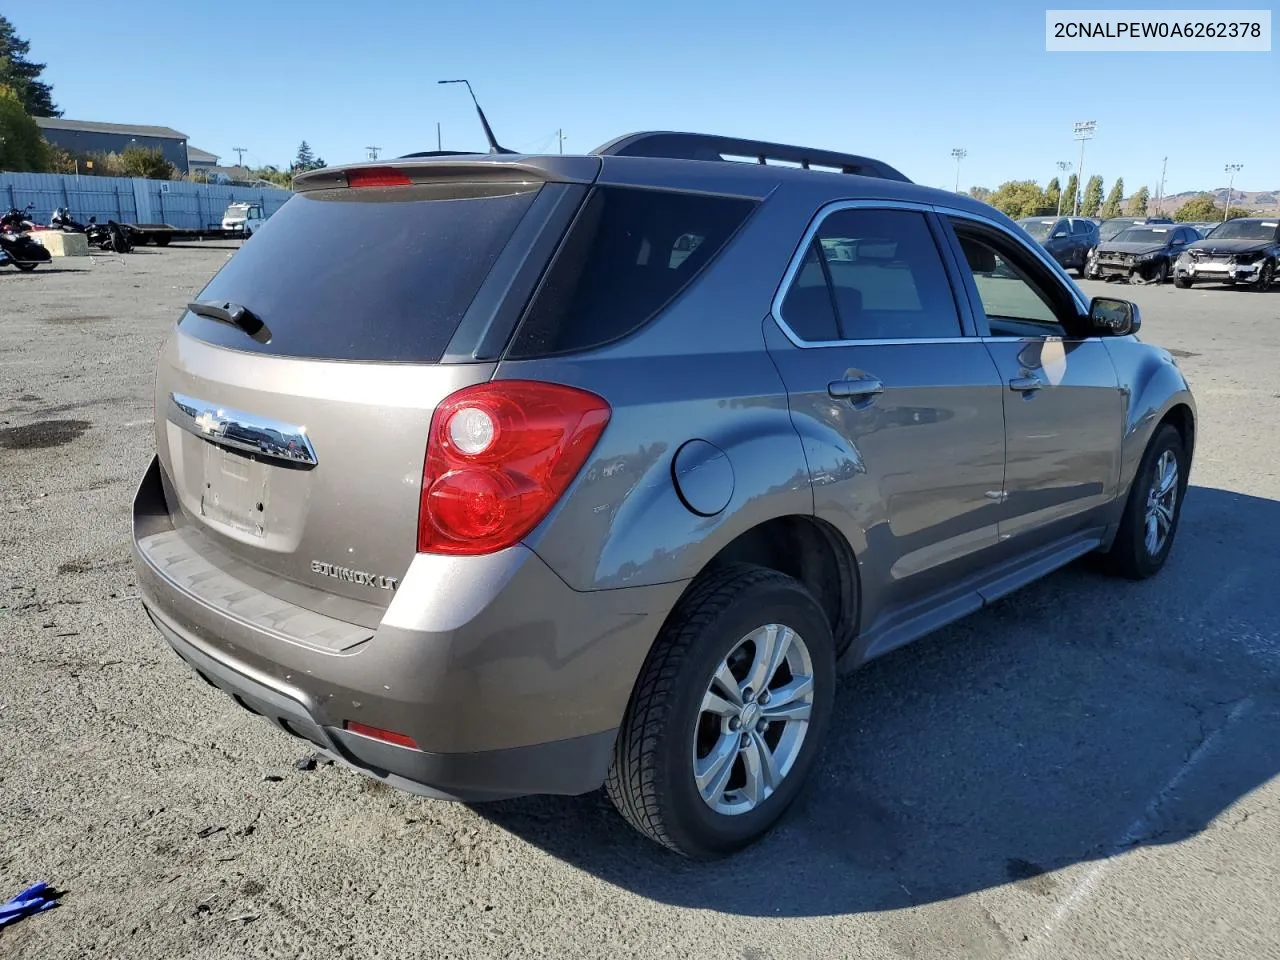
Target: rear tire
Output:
[(26, 267), (1152, 510), (695, 716)]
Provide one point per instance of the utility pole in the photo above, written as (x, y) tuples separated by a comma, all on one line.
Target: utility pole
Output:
[(560, 135), (958, 154), (373, 152), (1063, 167), (1164, 165), (438, 146), (1082, 131), (239, 152), (1233, 169)]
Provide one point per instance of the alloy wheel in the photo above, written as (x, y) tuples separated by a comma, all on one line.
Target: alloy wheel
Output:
[(753, 719), (1162, 499)]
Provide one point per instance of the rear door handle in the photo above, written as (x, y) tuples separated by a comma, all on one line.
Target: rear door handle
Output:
[(859, 389), (1025, 384)]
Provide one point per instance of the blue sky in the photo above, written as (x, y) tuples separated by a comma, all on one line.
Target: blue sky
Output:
[(905, 82)]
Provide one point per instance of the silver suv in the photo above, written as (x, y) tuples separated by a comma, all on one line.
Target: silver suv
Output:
[(501, 475)]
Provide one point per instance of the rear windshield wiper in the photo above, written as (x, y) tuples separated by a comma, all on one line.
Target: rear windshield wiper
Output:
[(235, 314)]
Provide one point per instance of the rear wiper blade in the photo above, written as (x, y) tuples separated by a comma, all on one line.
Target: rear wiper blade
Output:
[(235, 314)]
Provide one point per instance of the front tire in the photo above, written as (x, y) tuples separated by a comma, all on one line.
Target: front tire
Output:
[(728, 714), (1183, 283), (26, 266), (1266, 276), (1153, 508)]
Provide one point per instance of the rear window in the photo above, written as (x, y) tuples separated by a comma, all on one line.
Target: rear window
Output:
[(628, 254), (371, 275)]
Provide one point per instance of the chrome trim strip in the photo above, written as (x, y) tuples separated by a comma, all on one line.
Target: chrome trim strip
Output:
[(237, 430), (797, 260)]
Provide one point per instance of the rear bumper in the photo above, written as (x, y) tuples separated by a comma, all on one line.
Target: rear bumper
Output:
[(509, 681)]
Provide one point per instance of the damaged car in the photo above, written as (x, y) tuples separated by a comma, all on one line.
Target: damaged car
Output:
[(1111, 228), (1067, 239), (1143, 254), (1240, 252)]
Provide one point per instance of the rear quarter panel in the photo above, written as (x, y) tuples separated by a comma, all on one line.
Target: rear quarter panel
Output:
[(698, 371)]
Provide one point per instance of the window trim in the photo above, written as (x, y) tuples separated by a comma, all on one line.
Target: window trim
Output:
[(968, 323)]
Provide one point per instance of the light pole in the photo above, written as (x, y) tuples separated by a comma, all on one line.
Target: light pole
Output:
[(373, 152), (959, 153), (1233, 169), (1082, 131), (560, 136), (239, 152), (1063, 167)]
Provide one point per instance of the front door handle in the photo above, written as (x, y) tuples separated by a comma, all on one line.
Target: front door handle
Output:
[(860, 388), (1026, 384)]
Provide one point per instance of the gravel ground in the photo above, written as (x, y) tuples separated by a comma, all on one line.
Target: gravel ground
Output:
[(1086, 769)]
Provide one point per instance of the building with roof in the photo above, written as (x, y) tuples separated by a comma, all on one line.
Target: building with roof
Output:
[(83, 137), (200, 161)]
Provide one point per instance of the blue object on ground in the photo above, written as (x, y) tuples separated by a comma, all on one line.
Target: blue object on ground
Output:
[(30, 901)]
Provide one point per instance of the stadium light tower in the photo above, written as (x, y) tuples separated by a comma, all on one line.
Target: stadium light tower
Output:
[(1082, 131), (958, 154), (1233, 169), (1063, 167)]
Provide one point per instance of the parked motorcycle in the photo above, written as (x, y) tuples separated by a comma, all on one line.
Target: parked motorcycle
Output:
[(62, 220), (22, 251), (17, 221)]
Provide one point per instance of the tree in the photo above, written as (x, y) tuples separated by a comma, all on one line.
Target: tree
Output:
[(22, 148), (1071, 195), (306, 159), (1138, 203), (1092, 197), (980, 193), (281, 178), (1115, 198), (23, 76), (1202, 208), (1018, 198), (1053, 194), (146, 162)]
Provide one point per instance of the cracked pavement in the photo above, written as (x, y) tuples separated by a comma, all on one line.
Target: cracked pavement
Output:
[(1085, 769)]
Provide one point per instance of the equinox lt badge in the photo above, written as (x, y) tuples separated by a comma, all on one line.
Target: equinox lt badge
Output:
[(353, 576)]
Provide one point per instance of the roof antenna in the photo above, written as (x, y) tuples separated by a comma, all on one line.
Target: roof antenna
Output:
[(488, 130)]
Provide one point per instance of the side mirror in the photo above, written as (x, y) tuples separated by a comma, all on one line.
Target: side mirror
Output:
[(1111, 317), (1059, 235)]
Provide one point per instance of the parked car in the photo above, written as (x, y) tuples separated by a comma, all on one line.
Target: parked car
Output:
[(1204, 228), (1068, 239), (1110, 229), (247, 218), (1141, 253), (570, 513), (1243, 251)]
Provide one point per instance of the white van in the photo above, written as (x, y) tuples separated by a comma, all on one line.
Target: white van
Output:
[(244, 217)]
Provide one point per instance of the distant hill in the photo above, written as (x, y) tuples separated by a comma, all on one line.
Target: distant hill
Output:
[(1265, 201)]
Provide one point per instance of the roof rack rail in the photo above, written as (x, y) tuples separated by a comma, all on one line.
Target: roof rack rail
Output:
[(703, 146)]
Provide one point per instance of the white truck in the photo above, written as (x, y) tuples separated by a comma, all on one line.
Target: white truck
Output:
[(243, 218)]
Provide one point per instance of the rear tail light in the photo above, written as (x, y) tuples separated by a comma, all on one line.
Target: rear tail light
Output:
[(377, 177), (499, 456), (377, 733)]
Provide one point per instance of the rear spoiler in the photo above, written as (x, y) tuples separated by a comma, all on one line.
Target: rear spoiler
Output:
[(438, 167)]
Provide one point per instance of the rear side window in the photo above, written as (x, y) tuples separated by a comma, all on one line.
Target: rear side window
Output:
[(628, 254), (882, 277), (372, 275), (1081, 228)]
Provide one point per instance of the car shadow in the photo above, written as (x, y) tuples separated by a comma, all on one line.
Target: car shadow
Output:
[(1075, 719)]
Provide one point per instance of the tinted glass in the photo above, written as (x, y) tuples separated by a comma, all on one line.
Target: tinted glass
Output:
[(1004, 287), (627, 255), (808, 307), (1247, 230), (1039, 229), (1081, 227), (373, 275), (1144, 235), (887, 278)]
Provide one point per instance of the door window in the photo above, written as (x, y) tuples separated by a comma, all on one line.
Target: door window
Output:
[(1081, 228), (1019, 296), (871, 275)]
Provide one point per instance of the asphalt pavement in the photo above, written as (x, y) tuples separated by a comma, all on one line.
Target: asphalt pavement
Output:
[(1087, 769)]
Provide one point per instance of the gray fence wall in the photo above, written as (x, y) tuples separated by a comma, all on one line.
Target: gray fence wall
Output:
[(188, 206)]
